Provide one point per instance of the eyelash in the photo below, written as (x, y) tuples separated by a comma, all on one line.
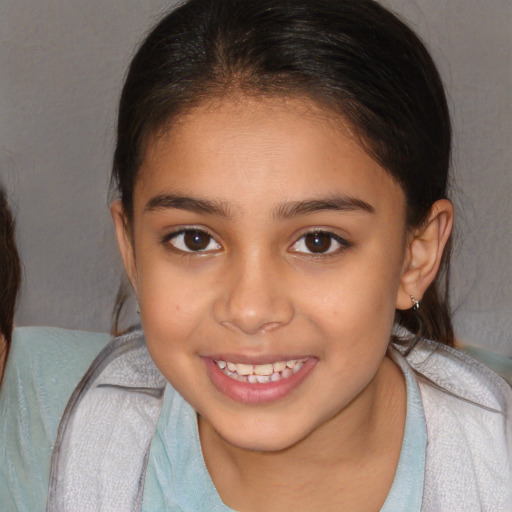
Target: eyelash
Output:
[(168, 239), (318, 233), (342, 243)]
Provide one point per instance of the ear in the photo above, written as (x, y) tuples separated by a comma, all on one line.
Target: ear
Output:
[(424, 253), (124, 241)]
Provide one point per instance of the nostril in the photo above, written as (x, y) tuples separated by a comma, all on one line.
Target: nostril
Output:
[(270, 326), (253, 320)]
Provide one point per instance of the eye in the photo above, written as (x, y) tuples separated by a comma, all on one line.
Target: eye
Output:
[(319, 242), (192, 240)]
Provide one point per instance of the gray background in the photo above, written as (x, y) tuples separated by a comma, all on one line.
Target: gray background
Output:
[(61, 69)]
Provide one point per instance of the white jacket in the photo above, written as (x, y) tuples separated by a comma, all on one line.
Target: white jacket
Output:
[(102, 448)]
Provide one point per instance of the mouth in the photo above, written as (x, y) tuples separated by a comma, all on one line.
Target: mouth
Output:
[(258, 383), (260, 373)]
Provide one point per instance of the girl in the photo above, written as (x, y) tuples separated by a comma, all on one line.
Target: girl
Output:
[(283, 218), (10, 277)]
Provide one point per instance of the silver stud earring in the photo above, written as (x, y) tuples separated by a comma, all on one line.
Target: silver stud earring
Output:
[(415, 303)]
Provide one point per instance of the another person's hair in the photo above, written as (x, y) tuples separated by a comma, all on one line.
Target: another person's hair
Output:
[(10, 276), (353, 57)]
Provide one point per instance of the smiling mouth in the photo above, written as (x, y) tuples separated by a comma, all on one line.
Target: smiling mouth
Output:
[(260, 373)]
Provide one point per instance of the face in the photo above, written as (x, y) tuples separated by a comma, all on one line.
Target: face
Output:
[(266, 251)]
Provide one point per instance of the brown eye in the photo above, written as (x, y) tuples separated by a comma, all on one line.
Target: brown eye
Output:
[(193, 240), (196, 240), (318, 242)]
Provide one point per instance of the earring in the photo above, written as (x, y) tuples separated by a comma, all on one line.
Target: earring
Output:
[(415, 303)]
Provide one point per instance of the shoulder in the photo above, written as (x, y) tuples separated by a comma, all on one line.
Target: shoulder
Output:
[(52, 361), (461, 376), (40, 338), (499, 363), (34, 342), (114, 409), (468, 413), (44, 366)]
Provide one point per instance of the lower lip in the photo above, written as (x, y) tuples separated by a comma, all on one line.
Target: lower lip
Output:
[(248, 393)]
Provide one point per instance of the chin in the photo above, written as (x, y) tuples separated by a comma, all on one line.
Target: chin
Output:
[(262, 436)]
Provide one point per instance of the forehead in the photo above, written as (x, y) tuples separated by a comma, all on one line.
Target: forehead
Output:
[(246, 148)]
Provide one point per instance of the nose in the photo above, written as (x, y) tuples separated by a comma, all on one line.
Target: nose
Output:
[(254, 298)]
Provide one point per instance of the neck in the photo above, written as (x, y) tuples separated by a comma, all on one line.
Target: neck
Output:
[(331, 469)]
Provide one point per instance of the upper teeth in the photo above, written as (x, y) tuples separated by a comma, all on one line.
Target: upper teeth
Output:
[(284, 368)]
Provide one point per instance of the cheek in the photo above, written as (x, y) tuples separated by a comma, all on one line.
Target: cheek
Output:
[(360, 292), (169, 306), (354, 306), (174, 308), (169, 321)]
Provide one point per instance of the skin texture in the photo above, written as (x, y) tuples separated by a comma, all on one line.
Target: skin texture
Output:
[(268, 172)]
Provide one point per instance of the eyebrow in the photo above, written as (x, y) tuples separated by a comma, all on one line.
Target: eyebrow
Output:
[(285, 210), (336, 203), (190, 204)]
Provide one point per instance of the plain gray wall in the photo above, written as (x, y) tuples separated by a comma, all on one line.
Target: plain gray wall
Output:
[(61, 69)]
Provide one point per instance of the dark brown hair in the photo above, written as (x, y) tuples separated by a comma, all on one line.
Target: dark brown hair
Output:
[(351, 56), (10, 275)]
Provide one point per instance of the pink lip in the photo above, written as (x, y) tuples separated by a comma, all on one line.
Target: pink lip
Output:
[(248, 393)]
